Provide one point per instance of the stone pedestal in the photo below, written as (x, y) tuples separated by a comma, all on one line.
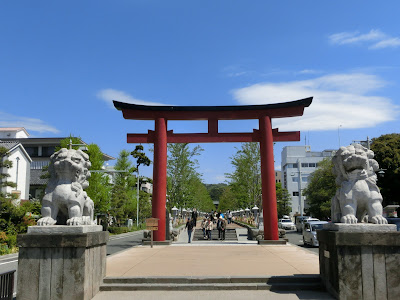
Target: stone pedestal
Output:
[(360, 261), (61, 264)]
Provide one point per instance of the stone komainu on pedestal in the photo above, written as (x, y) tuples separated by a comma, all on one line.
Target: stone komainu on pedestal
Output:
[(65, 201), (67, 260), (359, 260), (358, 195)]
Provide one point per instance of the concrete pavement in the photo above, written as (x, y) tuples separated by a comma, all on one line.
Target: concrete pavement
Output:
[(204, 259)]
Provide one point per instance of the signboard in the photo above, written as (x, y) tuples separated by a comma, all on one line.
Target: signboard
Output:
[(152, 224)]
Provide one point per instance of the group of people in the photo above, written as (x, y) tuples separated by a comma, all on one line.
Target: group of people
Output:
[(207, 225)]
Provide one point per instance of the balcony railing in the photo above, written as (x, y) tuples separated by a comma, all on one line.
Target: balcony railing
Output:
[(38, 165), (7, 285)]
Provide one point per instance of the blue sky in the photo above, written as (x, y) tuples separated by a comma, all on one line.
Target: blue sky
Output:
[(62, 62)]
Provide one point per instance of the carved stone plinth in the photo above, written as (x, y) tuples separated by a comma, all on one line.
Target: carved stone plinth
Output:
[(360, 263), (61, 265)]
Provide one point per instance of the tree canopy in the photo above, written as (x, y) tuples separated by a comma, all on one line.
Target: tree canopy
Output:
[(283, 200), (245, 180), (182, 175), (387, 154), (320, 190)]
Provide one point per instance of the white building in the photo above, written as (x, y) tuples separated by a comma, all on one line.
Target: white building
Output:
[(39, 151), (19, 173), (298, 162)]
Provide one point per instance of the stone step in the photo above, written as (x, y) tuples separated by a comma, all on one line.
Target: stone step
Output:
[(282, 283), (230, 235)]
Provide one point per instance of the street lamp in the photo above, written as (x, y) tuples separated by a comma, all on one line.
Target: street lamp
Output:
[(255, 212)]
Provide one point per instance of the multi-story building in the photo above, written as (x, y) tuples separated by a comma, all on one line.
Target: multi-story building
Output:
[(39, 151), (297, 163), (278, 176)]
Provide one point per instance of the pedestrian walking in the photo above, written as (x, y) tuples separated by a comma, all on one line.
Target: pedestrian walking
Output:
[(189, 227), (229, 216), (194, 216), (219, 221), (223, 228), (209, 228), (204, 227)]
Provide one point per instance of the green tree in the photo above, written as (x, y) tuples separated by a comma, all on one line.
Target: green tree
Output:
[(5, 164), (99, 187), (122, 191), (320, 190), (181, 174), (245, 180), (227, 200), (283, 200), (387, 154), (201, 198), (141, 159)]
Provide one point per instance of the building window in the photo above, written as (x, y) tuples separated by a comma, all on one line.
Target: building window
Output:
[(304, 165), (32, 151), (48, 151), (295, 193), (295, 179), (304, 179), (312, 165)]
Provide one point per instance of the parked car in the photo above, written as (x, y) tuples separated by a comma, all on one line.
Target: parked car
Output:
[(309, 220), (299, 222), (286, 224), (310, 232)]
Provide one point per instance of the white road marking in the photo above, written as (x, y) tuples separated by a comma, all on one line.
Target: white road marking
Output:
[(8, 262)]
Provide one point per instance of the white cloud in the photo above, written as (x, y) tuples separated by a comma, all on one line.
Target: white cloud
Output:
[(108, 95), (392, 42), (338, 99), (30, 124), (375, 38), (309, 71)]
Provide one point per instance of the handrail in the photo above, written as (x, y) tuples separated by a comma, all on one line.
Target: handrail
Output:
[(7, 285)]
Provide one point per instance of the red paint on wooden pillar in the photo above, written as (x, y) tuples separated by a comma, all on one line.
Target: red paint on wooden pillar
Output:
[(160, 177), (268, 180)]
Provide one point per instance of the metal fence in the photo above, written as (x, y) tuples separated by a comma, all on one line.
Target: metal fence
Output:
[(7, 285)]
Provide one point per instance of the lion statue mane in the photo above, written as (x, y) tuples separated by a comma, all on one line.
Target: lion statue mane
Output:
[(65, 201), (358, 198)]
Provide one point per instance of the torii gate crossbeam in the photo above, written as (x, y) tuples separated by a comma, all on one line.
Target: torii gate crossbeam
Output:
[(265, 135)]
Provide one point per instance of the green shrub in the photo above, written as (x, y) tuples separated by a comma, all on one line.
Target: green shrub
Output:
[(4, 249), (118, 230), (12, 241)]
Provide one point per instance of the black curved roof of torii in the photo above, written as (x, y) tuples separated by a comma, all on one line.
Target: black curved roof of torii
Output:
[(147, 112), (302, 102)]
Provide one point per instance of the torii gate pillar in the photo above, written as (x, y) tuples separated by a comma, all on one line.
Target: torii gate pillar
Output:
[(268, 179), (160, 177)]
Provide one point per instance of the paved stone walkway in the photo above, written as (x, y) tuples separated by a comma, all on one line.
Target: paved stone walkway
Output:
[(243, 258), (213, 260)]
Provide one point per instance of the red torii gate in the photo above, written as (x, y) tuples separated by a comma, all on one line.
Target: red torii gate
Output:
[(265, 135)]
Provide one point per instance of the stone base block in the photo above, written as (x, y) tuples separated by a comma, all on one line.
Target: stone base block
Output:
[(270, 242), (61, 266), (360, 227), (360, 265), (146, 242), (64, 229)]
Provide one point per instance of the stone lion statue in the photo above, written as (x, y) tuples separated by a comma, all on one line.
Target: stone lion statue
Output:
[(358, 197), (65, 201)]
